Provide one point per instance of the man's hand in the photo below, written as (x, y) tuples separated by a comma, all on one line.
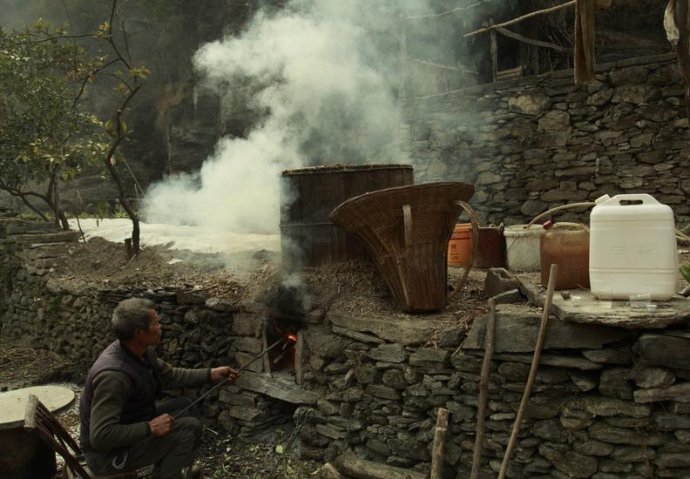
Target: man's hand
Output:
[(161, 425), (222, 372)]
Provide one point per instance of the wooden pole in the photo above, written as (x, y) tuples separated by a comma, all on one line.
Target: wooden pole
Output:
[(489, 335), (299, 357), (519, 19), (266, 360), (530, 41), (494, 52), (553, 273), (129, 251), (437, 449)]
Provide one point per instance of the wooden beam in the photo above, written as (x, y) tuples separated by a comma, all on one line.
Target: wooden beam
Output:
[(519, 19), (350, 464), (438, 447), (538, 43), (510, 73), (299, 357), (266, 360), (494, 53), (441, 66)]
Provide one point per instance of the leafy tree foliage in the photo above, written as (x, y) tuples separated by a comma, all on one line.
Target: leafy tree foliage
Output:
[(44, 136), (47, 136)]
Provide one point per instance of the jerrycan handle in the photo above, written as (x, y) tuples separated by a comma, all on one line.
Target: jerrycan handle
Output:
[(627, 199)]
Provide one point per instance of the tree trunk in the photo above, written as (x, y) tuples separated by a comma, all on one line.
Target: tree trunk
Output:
[(63, 220)]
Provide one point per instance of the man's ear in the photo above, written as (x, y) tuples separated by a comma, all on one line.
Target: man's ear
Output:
[(139, 332)]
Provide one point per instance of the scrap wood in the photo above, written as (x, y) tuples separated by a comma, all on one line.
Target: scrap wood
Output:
[(541, 335), (438, 447), (328, 471), (677, 26), (584, 42), (350, 464), (530, 41)]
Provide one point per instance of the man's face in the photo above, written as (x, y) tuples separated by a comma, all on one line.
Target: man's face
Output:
[(152, 336)]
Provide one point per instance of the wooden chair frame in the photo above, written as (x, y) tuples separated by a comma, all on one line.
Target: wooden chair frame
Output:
[(38, 420)]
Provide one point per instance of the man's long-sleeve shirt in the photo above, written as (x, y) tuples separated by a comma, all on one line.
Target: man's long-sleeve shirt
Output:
[(113, 392)]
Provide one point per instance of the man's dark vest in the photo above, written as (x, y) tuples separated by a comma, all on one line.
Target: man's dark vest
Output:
[(141, 405)]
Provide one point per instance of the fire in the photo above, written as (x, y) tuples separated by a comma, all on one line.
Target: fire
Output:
[(292, 338)]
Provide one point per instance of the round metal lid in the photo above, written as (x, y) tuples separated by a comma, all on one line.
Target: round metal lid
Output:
[(13, 403)]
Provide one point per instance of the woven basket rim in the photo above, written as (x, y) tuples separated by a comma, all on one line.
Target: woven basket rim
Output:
[(366, 198)]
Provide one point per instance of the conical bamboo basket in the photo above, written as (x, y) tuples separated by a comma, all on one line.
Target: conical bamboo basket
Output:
[(407, 229)]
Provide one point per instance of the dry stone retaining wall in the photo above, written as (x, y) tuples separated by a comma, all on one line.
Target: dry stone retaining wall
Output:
[(533, 143), (73, 320), (608, 402)]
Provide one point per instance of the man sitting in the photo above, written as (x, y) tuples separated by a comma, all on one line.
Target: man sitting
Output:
[(123, 426)]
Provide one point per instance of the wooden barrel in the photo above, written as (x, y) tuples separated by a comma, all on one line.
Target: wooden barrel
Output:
[(308, 236)]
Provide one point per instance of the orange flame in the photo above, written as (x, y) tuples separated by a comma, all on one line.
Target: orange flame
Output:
[(292, 338)]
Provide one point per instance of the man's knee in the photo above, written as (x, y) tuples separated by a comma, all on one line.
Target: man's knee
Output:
[(189, 430)]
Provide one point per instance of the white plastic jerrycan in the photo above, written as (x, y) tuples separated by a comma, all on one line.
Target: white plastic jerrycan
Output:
[(632, 248)]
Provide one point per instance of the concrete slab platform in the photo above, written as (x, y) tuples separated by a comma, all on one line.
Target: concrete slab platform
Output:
[(13, 403)]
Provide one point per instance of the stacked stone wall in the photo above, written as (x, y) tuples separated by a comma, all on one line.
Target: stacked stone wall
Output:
[(608, 402), (71, 318), (533, 143)]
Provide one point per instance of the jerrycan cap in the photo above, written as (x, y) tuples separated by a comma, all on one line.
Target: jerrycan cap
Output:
[(602, 199)]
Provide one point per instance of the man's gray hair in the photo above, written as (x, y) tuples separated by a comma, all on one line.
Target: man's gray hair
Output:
[(131, 314)]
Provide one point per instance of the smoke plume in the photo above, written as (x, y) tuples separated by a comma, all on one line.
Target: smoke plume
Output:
[(325, 75)]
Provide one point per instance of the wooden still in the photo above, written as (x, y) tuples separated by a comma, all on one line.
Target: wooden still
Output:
[(308, 236)]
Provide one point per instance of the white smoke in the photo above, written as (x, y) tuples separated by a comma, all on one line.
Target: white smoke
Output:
[(325, 74), (234, 190)]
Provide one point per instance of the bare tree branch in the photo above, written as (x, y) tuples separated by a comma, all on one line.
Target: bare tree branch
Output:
[(23, 196), (94, 72), (110, 39)]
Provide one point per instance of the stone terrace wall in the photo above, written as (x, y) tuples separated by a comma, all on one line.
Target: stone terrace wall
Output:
[(73, 320), (533, 143), (608, 402)]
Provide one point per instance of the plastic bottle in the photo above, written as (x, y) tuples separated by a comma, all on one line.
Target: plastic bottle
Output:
[(632, 248)]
